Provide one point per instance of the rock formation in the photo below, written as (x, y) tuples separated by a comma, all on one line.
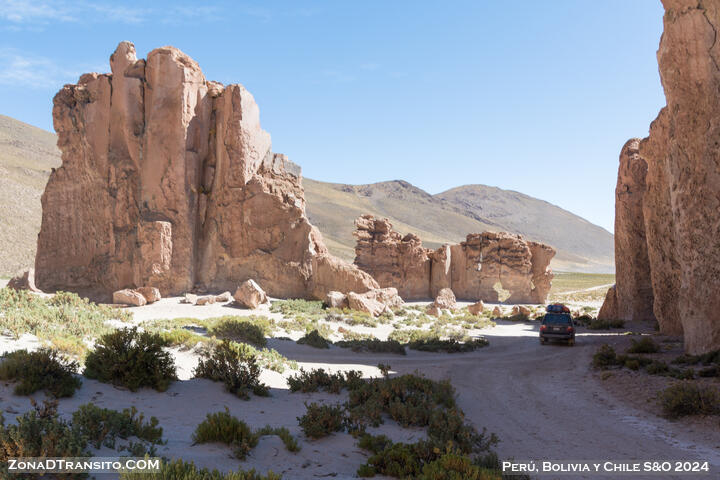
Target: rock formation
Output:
[(472, 269), (24, 281), (681, 203), (169, 181)]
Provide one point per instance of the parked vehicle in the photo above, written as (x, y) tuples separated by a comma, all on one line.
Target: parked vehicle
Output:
[(557, 325)]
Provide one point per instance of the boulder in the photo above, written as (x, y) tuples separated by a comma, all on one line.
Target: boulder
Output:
[(336, 300), (476, 308), (363, 303), (433, 310), (250, 295), (520, 310), (445, 299), (497, 312), (169, 180), (190, 298), (129, 297), (205, 300), (223, 297), (24, 281), (609, 309), (151, 294)]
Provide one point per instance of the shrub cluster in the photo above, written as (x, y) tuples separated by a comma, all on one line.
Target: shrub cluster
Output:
[(131, 359), (373, 345), (299, 309), (102, 426), (229, 363), (644, 345), (180, 470), (687, 398), (321, 420), (239, 331), (435, 344), (314, 339), (43, 369), (606, 357), (319, 379)]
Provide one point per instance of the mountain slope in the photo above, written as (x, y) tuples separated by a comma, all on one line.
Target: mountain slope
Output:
[(27, 155)]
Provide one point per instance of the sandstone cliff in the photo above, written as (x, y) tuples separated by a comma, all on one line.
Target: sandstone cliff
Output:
[(168, 180), (472, 269), (681, 203)]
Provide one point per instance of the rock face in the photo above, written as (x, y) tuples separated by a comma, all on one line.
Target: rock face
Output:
[(681, 202), (609, 309), (169, 181), (472, 269)]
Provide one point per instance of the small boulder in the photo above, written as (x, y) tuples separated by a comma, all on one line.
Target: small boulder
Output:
[(433, 310), (387, 296), (497, 312), (476, 308), (129, 297), (223, 297), (521, 310), (335, 299), (190, 298), (445, 299), (151, 294), (250, 295), (609, 309), (24, 281), (364, 303), (205, 300)]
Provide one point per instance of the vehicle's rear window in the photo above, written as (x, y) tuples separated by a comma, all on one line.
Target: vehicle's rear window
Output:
[(557, 318)]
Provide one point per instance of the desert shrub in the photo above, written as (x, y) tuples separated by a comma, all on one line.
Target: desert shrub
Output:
[(40, 433), (266, 357), (131, 359), (657, 367), (604, 357), (704, 359), (447, 428), (299, 309), (713, 371), (597, 324), (583, 320), (221, 427), (321, 420), (288, 440), (314, 339), (688, 398), (43, 369), (318, 379), (644, 345), (102, 426), (180, 470), (355, 317), (239, 331), (182, 338), (452, 466), (65, 319), (448, 346), (227, 362), (373, 345)]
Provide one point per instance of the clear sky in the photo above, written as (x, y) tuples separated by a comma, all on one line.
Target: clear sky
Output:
[(533, 96)]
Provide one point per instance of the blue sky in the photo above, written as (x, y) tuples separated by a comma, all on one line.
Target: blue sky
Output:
[(532, 96)]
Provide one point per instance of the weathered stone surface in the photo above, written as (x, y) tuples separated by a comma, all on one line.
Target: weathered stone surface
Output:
[(169, 181), (151, 294), (681, 202), (433, 310), (375, 301), (250, 295), (609, 309), (223, 297), (472, 269), (520, 310), (24, 281), (129, 297), (476, 308), (190, 298), (445, 299), (335, 299), (205, 300), (497, 312)]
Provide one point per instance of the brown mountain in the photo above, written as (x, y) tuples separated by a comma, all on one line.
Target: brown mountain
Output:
[(28, 153)]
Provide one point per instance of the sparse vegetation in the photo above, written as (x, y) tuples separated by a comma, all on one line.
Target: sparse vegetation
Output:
[(448, 346), (299, 309), (43, 369), (321, 420), (221, 427), (597, 324), (644, 345), (131, 359), (102, 426), (288, 440), (65, 319), (373, 345), (687, 398), (241, 331), (230, 363), (606, 357), (314, 339), (181, 470), (319, 379)]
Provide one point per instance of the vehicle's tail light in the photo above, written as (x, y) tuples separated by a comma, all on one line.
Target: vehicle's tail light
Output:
[(542, 327), (570, 329)]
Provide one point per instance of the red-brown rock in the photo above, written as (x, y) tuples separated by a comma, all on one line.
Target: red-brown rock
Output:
[(24, 281), (476, 308), (609, 309), (151, 294), (249, 294), (129, 297), (169, 181)]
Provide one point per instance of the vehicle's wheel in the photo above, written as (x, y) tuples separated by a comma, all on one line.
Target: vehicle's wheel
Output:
[(571, 342)]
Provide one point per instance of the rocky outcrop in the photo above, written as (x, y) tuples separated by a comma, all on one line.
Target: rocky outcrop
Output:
[(376, 301), (681, 202), (168, 180), (24, 281), (473, 269), (609, 309)]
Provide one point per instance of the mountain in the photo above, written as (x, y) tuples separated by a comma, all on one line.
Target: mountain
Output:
[(27, 155), (449, 216)]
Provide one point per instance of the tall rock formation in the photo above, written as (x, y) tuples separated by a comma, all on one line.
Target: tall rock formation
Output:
[(473, 269), (681, 203), (168, 180)]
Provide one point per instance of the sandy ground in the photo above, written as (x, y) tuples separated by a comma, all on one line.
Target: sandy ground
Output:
[(543, 401)]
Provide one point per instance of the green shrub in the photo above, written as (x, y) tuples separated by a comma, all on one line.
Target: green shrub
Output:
[(319, 379), (131, 359), (644, 345), (688, 398), (222, 427), (373, 345), (314, 339), (713, 371), (452, 466), (180, 470), (321, 420), (604, 357), (448, 346), (288, 440), (355, 317), (183, 338), (657, 367), (705, 359), (597, 324), (40, 433), (239, 331), (234, 367), (43, 369), (102, 426), (299, 309)]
